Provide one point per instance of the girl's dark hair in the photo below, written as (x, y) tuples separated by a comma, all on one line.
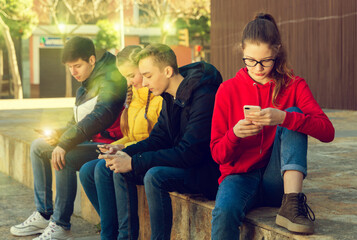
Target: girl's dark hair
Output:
[(263, 29), (129, 54), (76, 48)]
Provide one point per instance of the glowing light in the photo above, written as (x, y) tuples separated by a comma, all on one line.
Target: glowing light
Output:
[(117, 26), (62, 27), (167, 26), (47, 132)]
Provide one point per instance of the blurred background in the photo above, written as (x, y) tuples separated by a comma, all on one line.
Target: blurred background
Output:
[(320, 37)]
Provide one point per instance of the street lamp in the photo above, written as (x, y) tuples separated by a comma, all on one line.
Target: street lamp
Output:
[(122, 34)]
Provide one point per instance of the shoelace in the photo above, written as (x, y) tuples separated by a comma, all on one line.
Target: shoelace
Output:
[(30, 219), (48, 231), (303, 208)]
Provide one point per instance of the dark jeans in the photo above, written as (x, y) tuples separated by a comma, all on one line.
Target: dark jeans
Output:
[(97, 181), (66, 179), (158, 182), (238, 193)]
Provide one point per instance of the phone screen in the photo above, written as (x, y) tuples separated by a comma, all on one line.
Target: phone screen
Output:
[(44, 132)]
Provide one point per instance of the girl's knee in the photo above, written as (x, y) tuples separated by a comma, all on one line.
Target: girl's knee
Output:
[(86, 173), (101, 165), (101, 171)]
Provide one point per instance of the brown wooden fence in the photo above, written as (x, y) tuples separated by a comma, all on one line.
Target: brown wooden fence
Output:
[(320, 37)]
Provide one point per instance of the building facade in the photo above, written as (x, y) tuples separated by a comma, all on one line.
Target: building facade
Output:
[(320, 37)]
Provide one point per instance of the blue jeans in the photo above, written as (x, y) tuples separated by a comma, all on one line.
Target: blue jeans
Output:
[(97, 181), (158, 182), (239, 193), (66, 179)]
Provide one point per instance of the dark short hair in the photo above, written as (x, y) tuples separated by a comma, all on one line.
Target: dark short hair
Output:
[(163, 55), (76, 48)]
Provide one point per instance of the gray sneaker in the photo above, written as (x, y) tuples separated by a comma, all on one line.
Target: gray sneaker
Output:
[(32, 225), (55, 232)]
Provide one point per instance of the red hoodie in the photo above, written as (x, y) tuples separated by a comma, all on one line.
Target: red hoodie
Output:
[(241, 155)]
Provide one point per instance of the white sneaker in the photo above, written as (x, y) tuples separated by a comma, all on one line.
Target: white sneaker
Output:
[(32, 225), (55, 232)]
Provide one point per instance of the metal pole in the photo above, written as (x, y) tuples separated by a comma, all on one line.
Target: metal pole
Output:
[(122, 34)]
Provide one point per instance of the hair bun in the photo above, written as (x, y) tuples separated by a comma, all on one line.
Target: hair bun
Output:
[(265, 16)]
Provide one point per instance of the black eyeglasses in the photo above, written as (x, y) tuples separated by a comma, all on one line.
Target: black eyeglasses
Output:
[(264, 63)]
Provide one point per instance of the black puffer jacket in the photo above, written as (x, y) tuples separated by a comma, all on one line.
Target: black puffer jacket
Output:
[(110, 86), (181, 136)]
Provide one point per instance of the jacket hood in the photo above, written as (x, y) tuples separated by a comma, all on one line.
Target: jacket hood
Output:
[(104, 65), (196, 75)]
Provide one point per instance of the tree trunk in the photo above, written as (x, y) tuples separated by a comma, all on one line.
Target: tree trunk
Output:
[(18, 94), (1, 70), (163, 37), (163, 34)]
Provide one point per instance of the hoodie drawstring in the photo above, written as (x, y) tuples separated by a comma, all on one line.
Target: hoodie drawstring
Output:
[(259, 103)]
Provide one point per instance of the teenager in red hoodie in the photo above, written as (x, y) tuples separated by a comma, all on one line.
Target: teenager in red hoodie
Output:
[(262, 155)]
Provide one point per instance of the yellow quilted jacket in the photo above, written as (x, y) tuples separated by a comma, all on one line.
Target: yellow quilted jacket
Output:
[(138, 126)]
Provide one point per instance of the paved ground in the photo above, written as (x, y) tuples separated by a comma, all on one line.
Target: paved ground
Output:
[(331, 184), (16, 204), (17, 201)]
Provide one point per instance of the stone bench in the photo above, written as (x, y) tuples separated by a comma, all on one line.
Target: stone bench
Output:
[(191, 214)]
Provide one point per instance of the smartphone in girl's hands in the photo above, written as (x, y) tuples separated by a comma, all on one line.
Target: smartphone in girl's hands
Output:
[(250, 108)]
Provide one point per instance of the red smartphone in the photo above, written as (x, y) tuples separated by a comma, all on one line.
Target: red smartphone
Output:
[(250, 108)]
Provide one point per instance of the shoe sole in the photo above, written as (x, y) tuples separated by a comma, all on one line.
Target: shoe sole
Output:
[(293, 227), (27, 233)]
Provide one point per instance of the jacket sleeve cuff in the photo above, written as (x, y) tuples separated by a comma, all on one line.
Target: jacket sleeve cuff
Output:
[(128, 151), (232, 137), (135, 164), (288, 120), (65, 147)]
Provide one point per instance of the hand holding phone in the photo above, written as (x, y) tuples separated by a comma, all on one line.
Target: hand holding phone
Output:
[(110, 148), (267, 117), (102, 148)]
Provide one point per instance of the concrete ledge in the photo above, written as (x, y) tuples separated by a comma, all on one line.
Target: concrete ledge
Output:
[(330, 186), (15, 142), (36, 103)]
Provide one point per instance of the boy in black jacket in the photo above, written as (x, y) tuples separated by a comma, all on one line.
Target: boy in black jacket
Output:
[(99, 101), (176, 156)]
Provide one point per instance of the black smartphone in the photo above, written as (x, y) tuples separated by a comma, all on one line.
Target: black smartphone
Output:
[(98, 151)]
